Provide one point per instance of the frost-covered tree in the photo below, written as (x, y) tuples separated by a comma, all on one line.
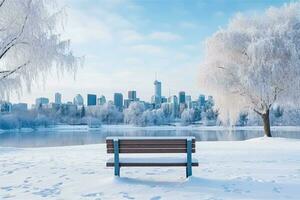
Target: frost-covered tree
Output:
[(254, 63), (30, 44), (107, 113), (147, 118), (133, 114), (110, 114), (187, 116)]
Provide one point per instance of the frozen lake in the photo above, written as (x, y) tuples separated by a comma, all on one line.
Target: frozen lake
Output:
[(67, 137)]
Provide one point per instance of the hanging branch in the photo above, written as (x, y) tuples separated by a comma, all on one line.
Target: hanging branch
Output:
[(13, 71), (2, 2)]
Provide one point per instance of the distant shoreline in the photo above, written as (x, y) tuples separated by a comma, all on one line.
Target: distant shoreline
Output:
[(66, 128)]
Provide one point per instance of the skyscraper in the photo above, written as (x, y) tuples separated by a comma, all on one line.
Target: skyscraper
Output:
[(181, 97), (201, 100), (78, 100), (173, 101), (132, 95), (157, 99), (118, 100), (188, 101), (41, 101), (157, 88), (91, 99), (57, 98), (101, 100)]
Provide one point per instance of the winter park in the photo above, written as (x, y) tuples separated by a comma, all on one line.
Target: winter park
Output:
[(127, 99)]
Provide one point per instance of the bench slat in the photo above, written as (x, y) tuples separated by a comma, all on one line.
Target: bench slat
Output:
[(149, 150), (152, 141), (109, 164), (149, 146)]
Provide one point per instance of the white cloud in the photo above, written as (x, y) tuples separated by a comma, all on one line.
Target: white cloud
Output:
[(164, 36), (83, 28), (148, 49), (130, 36)]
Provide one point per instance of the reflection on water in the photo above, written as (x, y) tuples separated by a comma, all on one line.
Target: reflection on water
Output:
[(50, 138)]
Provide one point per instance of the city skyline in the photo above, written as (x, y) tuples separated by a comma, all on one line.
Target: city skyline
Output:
[(124, 45), (91, 99)]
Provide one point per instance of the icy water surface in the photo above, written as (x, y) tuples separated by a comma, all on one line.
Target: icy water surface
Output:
[(49, 138)]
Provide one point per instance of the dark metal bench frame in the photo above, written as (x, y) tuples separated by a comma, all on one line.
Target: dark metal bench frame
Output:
[(117, 145)]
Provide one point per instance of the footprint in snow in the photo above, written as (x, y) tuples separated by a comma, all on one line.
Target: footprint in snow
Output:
[(156, 198), (126, 195), (8, 188), (277, 190), (150, 173), (95, 194)]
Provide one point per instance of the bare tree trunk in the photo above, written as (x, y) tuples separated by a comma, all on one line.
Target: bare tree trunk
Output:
[(267, 125)]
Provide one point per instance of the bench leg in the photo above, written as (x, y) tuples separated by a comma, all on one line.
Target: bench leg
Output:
[(189, 158), (116, 157)]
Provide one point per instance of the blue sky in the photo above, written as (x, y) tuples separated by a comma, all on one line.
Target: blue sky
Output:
[(126, 42)]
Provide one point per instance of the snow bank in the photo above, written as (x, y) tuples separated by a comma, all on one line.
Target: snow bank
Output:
[(264, 168)]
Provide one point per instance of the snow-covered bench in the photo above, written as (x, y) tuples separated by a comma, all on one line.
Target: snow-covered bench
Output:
[(152, 145)]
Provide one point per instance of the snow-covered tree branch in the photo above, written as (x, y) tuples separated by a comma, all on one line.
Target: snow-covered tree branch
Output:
[(30, 44), (255, 62)]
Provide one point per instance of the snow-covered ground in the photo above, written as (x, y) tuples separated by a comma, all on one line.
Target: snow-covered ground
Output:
[(260, 168)]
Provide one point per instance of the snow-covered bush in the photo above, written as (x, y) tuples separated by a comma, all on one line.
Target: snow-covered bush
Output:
[(159, 117), (147, 118), (8, 121), (137, 115), (168, 114), (27, 119), (92, 122), (133, 114), (107, 113), (42, 120), (110, 114), (187, 116), (153, 117)]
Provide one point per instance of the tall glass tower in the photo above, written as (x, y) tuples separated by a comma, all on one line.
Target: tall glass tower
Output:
[(157, 88)]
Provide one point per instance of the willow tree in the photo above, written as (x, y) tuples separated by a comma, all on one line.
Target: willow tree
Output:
[(30, 44), (254, 63)]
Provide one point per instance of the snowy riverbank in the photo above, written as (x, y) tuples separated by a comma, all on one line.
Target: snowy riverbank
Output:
[(263, 168)]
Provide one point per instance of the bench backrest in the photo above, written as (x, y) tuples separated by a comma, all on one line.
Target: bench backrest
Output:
[(150, 145)]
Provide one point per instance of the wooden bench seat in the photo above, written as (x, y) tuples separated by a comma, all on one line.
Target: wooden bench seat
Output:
[(151, 145), (151, 162)]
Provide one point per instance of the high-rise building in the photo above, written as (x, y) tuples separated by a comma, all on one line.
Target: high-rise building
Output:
[(181, 97), (127, 103), (157, 98), (57, 98), (41, 101), (201, 100), (173, 101), (164, 100), (101, 100), (157, 88), (91, 99), (78, 100), (132, 95), (188, 101), (118, 100)]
